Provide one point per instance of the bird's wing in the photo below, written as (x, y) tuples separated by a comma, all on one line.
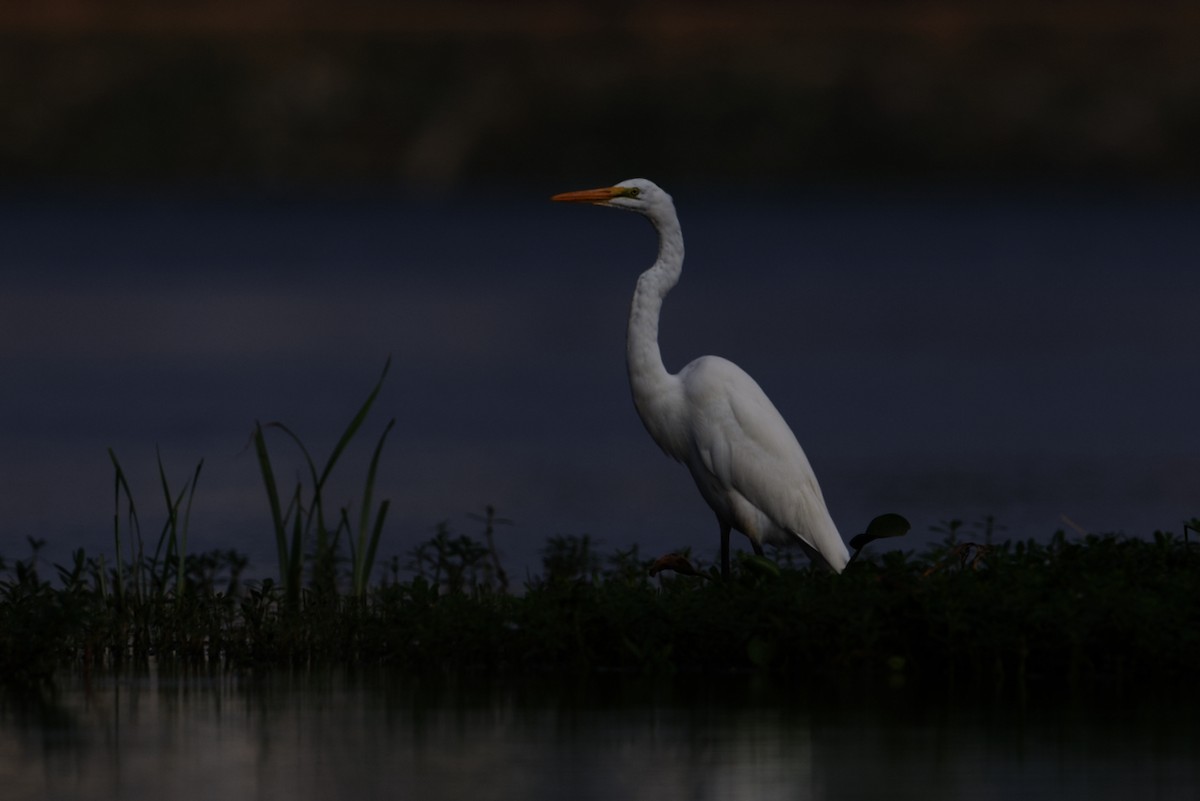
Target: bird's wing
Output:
[(744, 442)]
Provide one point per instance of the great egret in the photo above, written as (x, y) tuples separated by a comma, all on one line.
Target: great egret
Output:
[(711, 415)]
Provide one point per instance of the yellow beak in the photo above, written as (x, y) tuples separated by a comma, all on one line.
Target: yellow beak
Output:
[(602, 195)]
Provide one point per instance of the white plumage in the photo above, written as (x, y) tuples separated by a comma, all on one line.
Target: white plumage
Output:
[(711, 415)]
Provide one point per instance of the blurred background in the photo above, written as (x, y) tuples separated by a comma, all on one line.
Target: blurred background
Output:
[(955, 242), (443, 94)]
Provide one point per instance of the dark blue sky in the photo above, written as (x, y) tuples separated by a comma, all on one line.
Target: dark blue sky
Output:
[(944, 355)]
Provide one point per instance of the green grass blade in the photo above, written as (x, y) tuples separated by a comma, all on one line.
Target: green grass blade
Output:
[(376, 532), (312, 519), (102, 577), (183, 532), (369, 489), (120, 484), (295, 562), (170, 527), (368, 540), (316, 510), (355, 423), (308, 460), (277, 518)]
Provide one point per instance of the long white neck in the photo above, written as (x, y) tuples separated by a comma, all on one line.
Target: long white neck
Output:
[(653, 387)]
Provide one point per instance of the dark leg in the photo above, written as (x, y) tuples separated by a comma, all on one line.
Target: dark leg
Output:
[(758, 549), (724, 551)]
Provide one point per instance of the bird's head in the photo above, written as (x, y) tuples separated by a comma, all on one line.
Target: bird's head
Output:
[(636, 194)]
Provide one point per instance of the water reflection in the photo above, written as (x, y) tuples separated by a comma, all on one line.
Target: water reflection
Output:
[(371, 735)]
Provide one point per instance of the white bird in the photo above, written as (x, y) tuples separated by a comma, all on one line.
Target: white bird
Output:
[(711, 415)]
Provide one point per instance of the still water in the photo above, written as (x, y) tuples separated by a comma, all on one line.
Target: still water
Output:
[(364, 736)]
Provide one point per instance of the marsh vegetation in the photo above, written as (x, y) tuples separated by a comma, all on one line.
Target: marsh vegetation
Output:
[(1102, 609), (1068, 611)]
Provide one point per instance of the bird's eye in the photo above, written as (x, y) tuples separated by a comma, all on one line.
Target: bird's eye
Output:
[(632, 191)]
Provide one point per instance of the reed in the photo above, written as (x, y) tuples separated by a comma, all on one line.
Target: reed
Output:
[(175, 531), (301, 522)]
